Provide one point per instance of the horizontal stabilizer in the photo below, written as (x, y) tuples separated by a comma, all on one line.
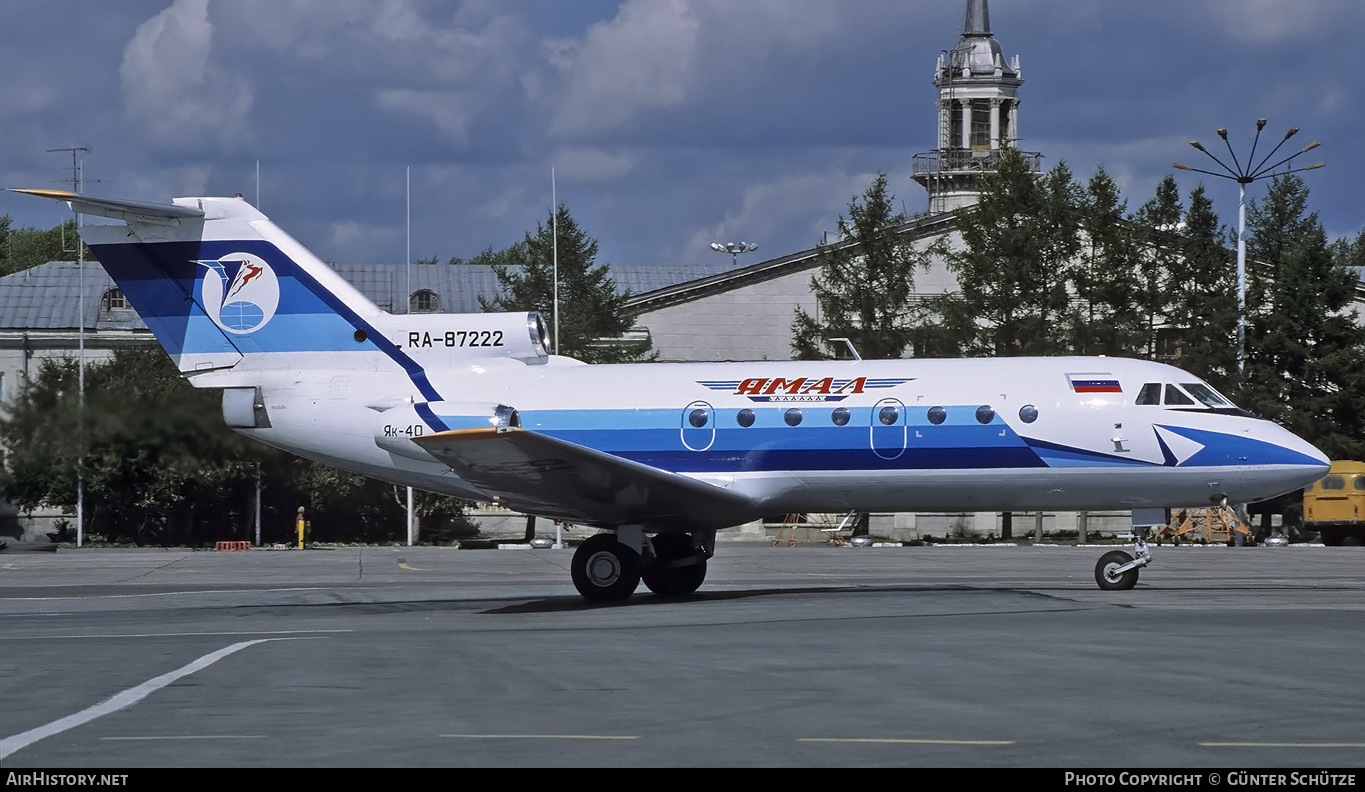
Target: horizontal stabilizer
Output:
[(119, 209), (538, 474)]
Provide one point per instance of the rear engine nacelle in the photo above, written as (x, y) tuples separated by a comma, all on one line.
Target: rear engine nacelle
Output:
[(444, 340)]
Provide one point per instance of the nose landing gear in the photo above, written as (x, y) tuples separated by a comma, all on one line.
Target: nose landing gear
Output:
[(1117, 570)]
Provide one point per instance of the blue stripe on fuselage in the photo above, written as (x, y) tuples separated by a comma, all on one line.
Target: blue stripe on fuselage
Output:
[(1236, 449), (662, 438)]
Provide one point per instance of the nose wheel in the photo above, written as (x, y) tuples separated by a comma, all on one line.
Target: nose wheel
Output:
[(1117, 570)]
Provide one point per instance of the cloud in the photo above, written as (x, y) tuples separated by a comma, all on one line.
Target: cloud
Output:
[(1275, 21), (663, 64), (587, 164), (170, 88), (643, 58), (766, 209), (449, 111)]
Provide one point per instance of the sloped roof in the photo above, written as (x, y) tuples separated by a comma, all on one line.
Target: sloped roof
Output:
[(918, 227), (47, 297)]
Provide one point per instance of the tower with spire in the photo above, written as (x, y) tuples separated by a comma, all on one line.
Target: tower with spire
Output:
[(978, 115)]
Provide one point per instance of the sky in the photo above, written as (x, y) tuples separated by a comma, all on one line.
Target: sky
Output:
[(662, 125)]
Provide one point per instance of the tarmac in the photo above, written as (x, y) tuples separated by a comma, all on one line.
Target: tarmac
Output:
[(807, 656)]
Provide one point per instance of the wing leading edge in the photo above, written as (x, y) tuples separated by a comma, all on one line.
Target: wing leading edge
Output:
[(539, 474)]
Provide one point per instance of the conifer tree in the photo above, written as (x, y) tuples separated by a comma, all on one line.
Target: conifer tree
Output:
[(1106, 317), (1305, 351), (591, 311), (865, 289), (1202, 297), (1014, 264), (1159, 243)]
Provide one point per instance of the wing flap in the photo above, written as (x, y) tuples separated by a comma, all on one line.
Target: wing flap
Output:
[(538, 474)]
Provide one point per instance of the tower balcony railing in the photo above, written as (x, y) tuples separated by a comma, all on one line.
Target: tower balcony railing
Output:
[(968, 161)]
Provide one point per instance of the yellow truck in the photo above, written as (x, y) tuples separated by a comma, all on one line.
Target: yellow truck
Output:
[(1334, 506)]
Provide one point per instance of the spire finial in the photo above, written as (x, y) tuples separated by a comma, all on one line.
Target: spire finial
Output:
[(978, 19)]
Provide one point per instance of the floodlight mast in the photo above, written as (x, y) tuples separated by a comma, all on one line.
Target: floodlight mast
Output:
[(734, 249), (1244, 175)]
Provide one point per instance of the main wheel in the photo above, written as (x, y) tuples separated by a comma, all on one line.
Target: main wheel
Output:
[(677, 569), (1108, 578), (603, 569)]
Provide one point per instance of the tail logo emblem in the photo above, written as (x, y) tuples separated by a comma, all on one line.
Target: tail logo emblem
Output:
[(240, 292)]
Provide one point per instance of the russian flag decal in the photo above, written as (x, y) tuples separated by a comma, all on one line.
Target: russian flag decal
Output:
[(1094, 383)]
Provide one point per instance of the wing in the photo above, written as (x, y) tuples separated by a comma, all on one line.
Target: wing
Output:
[(539, 474)]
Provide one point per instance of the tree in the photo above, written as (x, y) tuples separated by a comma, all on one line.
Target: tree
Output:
[(157, 463), (866, 287), (1107, 314), (25, 248), (592, 315), (159, 466), (347, 507), (1018, 243), (1305, 361), (1159, 244), (1202, 297)]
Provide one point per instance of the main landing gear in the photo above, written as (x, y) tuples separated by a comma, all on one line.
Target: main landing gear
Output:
[(1117, 570), (609, 567)]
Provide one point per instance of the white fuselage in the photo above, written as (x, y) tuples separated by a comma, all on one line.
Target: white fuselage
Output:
[(1083, 450)]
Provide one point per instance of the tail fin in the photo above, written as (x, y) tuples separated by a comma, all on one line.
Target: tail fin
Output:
[(221, 286), (216, 281)]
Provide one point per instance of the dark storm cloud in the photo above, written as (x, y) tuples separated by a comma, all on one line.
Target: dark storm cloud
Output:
[(669, 124)]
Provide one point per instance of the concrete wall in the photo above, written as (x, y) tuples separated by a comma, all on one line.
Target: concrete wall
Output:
[(753, 322)]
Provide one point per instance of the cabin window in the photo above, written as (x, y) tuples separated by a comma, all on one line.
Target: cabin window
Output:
[(1334, 483), (888, 415), (114, 300), (792, 417), (840, 417), (424, 301), (984, 414), (1150, 393), (1360, 482), (1028, 413), (698, 418), (937, 415), (745, 418), (1174, 396)]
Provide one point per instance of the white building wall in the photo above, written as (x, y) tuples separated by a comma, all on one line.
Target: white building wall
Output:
[(754, 322)]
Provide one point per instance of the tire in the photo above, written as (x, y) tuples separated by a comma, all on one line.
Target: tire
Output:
[(1105, 577), (1351, 541), (665, 576), (604, 570)]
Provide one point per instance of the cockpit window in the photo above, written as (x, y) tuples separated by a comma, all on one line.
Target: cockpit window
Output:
[(1205, 394), (1174, 396), (1150, 393)]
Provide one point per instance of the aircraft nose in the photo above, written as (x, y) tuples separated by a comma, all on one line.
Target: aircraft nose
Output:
[(1313, 459)]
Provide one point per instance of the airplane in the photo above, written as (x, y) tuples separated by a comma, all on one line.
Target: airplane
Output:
[(661, 456)]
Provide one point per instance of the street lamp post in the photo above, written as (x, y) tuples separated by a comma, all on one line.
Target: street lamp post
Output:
[(734, 249), (1244, 175)]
